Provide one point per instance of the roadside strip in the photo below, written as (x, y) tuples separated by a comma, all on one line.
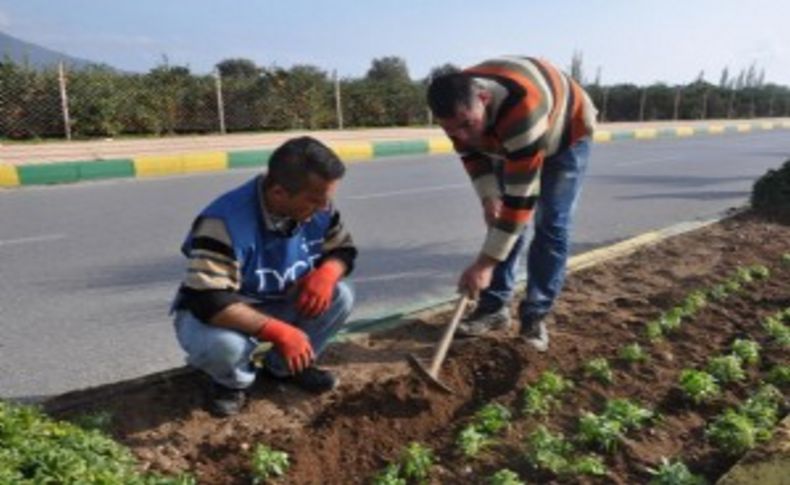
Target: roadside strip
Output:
[(45, 173)]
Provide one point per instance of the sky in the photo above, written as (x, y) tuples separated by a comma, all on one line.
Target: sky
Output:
[(629, 41)]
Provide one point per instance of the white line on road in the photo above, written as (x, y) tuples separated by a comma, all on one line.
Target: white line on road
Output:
[(406, 192), (33, 239)]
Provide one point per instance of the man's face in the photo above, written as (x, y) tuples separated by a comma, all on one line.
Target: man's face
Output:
[(302, 205), (466, 128)]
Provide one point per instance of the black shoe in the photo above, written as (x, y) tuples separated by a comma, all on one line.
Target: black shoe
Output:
[(535, 332), (225, 401), (316, 380), (481, 321), (312, 379)]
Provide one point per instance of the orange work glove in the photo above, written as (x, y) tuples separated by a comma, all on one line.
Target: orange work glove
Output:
[(290, 341), (316, 289)]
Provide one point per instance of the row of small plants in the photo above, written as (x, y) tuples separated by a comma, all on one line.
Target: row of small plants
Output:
[(734, 431), (603, 432), (670, 321)]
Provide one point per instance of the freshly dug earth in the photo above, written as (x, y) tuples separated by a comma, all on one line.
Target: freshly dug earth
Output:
[(348, 436)]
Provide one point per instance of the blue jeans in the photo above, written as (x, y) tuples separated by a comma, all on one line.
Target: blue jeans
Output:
[(224, 354), (560, 187)]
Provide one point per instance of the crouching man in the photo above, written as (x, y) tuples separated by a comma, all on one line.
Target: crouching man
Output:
[(265, 265)]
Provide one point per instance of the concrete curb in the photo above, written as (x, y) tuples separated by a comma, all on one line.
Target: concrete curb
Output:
[(147, 166), (361, 330)]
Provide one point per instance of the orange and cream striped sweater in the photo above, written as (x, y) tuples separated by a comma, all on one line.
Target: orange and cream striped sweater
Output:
[(536, 111)]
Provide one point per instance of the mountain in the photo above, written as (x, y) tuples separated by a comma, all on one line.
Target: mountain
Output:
[(36, 56)]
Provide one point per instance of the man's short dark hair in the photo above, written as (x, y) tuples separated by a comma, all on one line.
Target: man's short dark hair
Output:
[(292, 162), (449, 91)]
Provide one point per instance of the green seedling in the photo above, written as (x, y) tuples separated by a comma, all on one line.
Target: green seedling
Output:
[(492, 418), (743, 275), (599, 431), (654, 331), (588, 465), (770, 394), (763, 410), (505, 477), (472, 441), (759, 271), (674, 473), (779, 375), (719, 292), (732, 433), (778, 331), (733, 285), (599, 369), (763, 415), (747, 350), (268, 463), (694, 302), (699, 386), (786, 258), (416, 461), (537, 403), (630, 415), (549, 451), (543, 395), (671, 320), (633, 353), (726, 368), (553, 384), (773, 324), (389, 476)]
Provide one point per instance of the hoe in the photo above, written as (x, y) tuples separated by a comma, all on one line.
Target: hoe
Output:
[(431, 375)]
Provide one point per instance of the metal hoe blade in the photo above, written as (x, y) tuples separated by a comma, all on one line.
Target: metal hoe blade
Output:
[(431, 376)]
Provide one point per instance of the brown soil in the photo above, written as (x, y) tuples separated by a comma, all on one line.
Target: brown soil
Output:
[(346, 437)]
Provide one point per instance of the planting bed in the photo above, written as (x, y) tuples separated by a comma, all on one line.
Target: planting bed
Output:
[(353, 434)]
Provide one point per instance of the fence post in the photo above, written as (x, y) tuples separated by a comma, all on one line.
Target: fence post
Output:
[(642, 103), (220, 102), (704, 113), (605, 104), (428, 109), (64, 100), (338, 104), (676, 106)]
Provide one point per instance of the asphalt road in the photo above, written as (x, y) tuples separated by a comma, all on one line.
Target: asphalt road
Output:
[(88, 270)]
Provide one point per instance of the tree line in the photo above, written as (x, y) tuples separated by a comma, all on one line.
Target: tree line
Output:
[(241, 96)]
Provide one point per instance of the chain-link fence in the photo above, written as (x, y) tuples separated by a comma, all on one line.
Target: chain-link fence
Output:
[(103, 102)]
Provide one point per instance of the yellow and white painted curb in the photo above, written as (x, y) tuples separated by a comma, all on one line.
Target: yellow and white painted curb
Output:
[(148, 166), (161, 165)]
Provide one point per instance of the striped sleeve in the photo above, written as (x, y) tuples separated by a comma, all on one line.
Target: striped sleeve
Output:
[(338, 243), (212, 261), (523, 132), (481, 172), (213, 275)]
